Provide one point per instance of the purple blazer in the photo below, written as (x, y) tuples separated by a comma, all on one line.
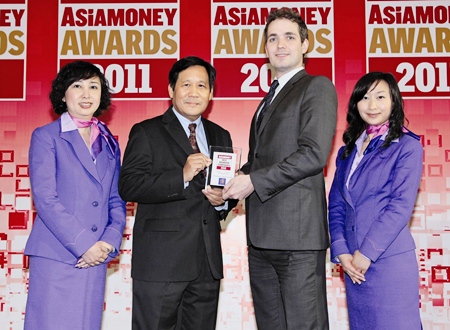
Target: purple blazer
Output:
[(77, 201), (372, 215)]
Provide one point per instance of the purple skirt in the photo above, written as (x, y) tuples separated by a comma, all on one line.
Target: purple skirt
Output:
[(61, 296), (389, 299)]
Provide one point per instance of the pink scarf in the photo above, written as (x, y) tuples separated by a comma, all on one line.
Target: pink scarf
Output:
[(98, 129), (93, 123), (95, 146), (377, 129)]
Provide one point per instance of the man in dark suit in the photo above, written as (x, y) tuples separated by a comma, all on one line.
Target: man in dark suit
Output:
[(284, 185), (177, 257)]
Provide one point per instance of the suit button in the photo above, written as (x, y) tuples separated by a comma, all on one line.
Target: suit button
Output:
[(205, 222), (256, 155), (94, 228), (95, 204), (353, 228)]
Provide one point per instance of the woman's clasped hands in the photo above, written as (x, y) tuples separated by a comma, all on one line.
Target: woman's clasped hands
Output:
[(96, 255), (355, 266)]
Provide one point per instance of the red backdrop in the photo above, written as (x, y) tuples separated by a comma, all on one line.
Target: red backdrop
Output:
[(136, 43)]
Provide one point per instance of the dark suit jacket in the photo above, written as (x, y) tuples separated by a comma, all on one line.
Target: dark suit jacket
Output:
[(173, 224), (287, 210)]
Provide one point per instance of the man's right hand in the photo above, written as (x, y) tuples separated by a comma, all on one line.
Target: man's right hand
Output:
[(195, 163)]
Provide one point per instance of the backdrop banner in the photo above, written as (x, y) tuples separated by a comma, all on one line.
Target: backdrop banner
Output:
[(135, 44)]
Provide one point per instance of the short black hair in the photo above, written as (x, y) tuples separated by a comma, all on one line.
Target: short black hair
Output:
[(72, 72), (291, 15), (187, 62)]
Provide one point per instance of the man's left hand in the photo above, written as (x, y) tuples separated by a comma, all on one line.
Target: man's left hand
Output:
[(214, 195), (239, 187)]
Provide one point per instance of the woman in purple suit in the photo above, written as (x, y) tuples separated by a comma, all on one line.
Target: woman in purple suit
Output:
[(74, 168), (372, 197)]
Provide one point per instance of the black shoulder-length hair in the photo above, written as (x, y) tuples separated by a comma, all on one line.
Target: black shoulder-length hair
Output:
[(72, 72), (356, 125)]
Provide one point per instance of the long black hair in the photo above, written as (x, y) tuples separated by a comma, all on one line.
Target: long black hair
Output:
[(356, 125)]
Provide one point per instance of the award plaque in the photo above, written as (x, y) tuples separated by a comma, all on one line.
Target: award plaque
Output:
[(226, 161)]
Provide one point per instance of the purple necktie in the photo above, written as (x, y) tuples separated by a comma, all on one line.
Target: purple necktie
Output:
[(267, 100)]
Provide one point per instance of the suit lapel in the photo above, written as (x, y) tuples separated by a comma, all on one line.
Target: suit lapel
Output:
[(354, 179), (370, 163), (173, 127), (103, 158), (210, 133), (344, 171), (280, 96), (255, 117), (81, 151)]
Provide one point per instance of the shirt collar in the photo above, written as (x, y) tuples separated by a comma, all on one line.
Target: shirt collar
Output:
[(185, 122), (286, 77), (67, 124), (359, 142)]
